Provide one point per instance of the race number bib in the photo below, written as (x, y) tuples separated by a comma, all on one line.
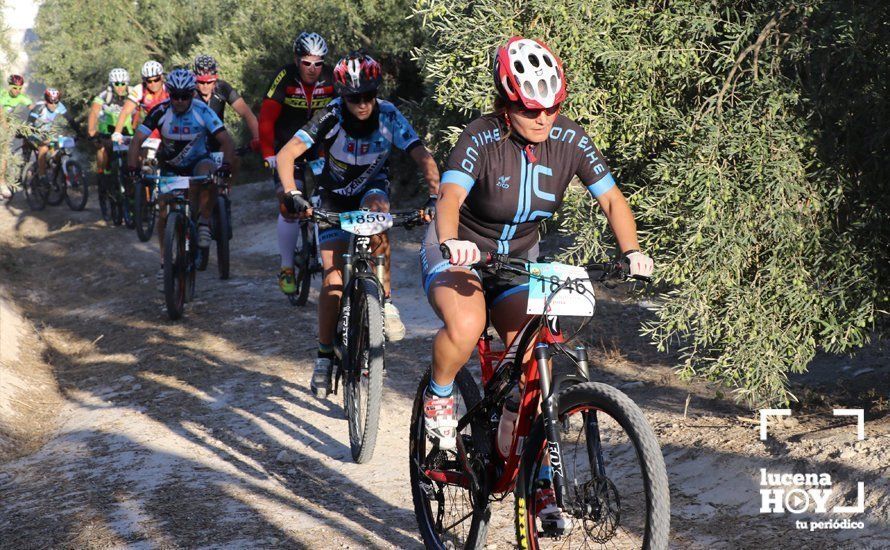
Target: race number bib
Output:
[(364, 223), (169, 184), (574, 300), (151, 143)]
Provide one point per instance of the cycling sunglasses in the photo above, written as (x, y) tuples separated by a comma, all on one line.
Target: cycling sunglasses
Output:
[(153, 79), (16, 88), (116, 84), (535, 113), (356, 99), (181, 96), (48, 102), (312, 64), (207, 79)]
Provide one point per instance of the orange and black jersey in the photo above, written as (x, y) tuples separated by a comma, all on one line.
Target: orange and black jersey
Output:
[(289, 104)]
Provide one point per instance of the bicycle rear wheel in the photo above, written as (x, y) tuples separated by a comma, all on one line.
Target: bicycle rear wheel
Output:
[(76, 188), (616, 483), (55, 188), (175, 265), (144, 211), (31, 185), (450, 514), (222, 235), (363, 368), (302, 261)]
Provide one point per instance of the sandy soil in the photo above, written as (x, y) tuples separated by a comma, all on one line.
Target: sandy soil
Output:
[(119, 428)]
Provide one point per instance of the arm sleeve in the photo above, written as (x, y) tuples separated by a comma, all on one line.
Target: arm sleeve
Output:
[(465, 161), (211, 121), (269, 111), (319, 126), (151, 121), (403, 135), (228, 92), (592, 168)]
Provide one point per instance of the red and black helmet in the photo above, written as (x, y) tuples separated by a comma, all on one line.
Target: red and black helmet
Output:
[(526, 71), (357, 73), (52, 95), (16, 80)]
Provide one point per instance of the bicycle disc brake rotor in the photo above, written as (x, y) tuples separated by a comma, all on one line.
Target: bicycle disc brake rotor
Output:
[(599, 507)]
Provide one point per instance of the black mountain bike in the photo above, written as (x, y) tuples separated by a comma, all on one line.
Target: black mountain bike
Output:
[(608, 475), (359, 342), (306, 261), (180, 241), (145, 200), (113, 201), (65, 179)]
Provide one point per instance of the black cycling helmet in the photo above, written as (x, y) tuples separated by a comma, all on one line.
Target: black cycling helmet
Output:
[(205, 65), (357, 73)]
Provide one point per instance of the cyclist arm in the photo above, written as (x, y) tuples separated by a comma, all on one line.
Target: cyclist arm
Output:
[(247, 115), (620, 217), (93, 119), (285, 159), (135, 145), (451, 198), (126, 111), (226, 145), (269, 111), (427, 165)]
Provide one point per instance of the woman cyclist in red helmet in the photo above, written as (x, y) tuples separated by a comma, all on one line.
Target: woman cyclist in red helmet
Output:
[(508, 172)]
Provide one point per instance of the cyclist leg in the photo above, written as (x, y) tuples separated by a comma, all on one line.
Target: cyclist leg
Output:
[(203, 199), (42, 151), (376, 199), (288, 231), (332, 246)]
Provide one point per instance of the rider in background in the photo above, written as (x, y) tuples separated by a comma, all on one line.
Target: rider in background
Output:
[(11, 99), (43, 117), (185, 127), (299, 90), (357, 132), (217, 93), (507, 173), (145, 97), (104, 114)]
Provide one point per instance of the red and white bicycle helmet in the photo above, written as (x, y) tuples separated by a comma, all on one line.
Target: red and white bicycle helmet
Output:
[(357, 73), (52, 95), (16, 80), (526, 71)]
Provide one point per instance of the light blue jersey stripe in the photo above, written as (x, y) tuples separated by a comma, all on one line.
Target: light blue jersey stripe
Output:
[(304, 137), (459, 178), (603, 185)]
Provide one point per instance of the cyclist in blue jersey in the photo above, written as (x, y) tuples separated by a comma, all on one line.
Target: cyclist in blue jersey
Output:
[(185, 126), (508, 172), (44, 117), (357, 132)]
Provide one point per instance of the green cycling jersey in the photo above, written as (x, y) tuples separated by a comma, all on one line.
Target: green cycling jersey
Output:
[(9, 103), (110, 110)]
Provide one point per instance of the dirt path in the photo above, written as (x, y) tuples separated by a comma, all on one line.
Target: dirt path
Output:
[(202, 433)]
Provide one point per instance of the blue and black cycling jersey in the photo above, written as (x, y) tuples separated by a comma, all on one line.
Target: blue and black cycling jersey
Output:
[(357, 152), (513, 185), (184, 137)]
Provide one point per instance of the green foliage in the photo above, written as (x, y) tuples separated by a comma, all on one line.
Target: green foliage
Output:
[(753, 170)]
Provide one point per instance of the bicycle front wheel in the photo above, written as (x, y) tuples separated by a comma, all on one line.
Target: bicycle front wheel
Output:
[(144, 211), (222, 235), (449, 512), (76, 189), (363, 372), (616, 484), (55, 188), (175, 265), (302, 261), (31, 184)]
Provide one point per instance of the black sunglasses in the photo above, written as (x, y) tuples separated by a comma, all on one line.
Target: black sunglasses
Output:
[(153, 79), (181, 96), (366, 97)]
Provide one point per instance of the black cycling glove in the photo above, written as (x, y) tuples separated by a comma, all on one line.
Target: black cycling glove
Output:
[(295, 203), (429, 209)]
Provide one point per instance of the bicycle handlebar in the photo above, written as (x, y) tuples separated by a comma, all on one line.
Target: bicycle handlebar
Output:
[(405, 218), (613, 269)]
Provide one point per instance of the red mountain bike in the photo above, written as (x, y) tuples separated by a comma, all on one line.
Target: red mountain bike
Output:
[(608, 474)]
